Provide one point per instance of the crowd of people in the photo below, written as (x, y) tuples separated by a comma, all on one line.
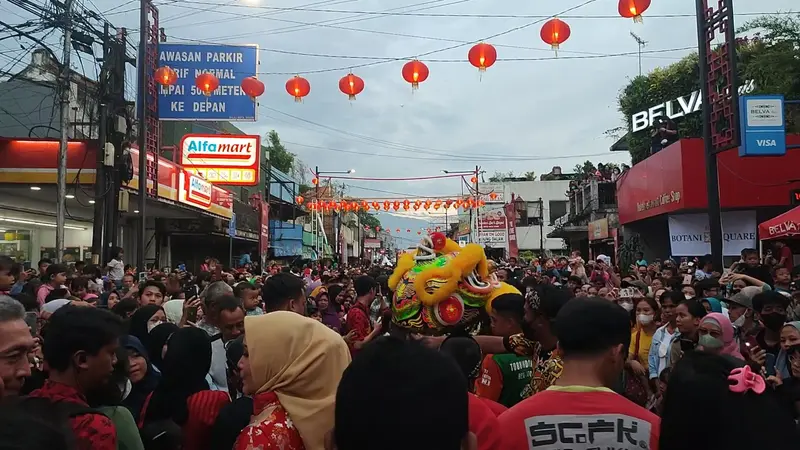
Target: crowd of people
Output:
[(581, 355)]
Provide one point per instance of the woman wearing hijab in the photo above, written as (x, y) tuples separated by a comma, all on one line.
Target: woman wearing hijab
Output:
[(787, 366), (183, 396), (330, 318), (716, 335), (292, 366), (143, 378), (145, 319), (157, 341)]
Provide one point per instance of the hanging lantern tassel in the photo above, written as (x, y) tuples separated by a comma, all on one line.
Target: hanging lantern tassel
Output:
[(633, 9)]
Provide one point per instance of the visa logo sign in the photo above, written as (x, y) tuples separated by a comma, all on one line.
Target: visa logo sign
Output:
[(766, 142)]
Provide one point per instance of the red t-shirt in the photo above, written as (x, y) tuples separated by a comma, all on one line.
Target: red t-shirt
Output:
[(483, 423), (358, 321), (578, 418)]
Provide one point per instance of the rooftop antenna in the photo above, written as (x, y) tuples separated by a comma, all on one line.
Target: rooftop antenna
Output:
[(641, 42)]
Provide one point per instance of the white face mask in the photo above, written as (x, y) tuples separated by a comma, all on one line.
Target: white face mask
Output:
[(151, 325), (627, 305), (688, 297), (645, 319), (740, 321)]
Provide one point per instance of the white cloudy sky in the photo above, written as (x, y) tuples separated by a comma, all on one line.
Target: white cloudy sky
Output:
[(523, 115)]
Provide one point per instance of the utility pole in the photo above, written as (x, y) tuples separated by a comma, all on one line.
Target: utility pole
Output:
[(100, 174), (64, 85), (641, 42), (541, 225)]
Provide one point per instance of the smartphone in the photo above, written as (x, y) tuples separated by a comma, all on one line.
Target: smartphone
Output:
[(191, 314), (190, 291), (769, 365), (182, 267), (687, 280), (142, 277), (31, 320)]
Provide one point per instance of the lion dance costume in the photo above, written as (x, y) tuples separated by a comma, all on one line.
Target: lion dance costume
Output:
[(442, 287)]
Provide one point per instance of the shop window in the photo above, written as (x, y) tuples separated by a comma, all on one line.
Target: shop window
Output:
[(558, 208), (16, 244)]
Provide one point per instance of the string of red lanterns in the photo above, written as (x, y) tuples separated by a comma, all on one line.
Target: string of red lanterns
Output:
[(391, 205), (482, 55)]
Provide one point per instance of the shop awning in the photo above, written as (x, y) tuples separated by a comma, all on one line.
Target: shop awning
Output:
[(785, 225)]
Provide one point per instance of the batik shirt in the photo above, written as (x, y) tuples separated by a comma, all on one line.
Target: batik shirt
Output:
[(92, 431), (547, 367), (271, 428)]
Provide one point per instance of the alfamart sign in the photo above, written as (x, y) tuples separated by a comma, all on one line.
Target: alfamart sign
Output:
[(681, 106)]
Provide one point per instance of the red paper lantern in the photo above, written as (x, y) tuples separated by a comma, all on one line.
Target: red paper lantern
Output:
[(386, 205), (166, 76), (207, 83), (397, 230), (376, 205), (633, 9), (493, 195), (299, 199), (351, 85), (555, 32), (315, 181), (298, 88), (482, 55), (253, 87), (415, 72)]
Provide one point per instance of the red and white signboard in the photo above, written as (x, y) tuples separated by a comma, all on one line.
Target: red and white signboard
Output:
[(222, 158), (492, 226), (194, 191)]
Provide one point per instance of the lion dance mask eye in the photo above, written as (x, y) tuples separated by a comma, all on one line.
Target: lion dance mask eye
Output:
[(441, 287)]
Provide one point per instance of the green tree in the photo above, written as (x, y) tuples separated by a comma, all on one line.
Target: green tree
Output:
[(585, 169), (280, 158), (500, 176), (769, 55), (368, 219), (530, 176)]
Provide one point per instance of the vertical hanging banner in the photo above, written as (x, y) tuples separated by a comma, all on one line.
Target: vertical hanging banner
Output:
[(263, 239), (763, 125), (511, 224), (229, 63)]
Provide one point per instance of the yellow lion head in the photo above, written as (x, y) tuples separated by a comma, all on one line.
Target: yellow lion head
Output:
[(442, 286)]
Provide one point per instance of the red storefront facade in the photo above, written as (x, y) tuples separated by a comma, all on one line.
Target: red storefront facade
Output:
[(673, 181)]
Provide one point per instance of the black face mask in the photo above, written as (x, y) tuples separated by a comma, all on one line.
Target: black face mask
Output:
[(773, 321)]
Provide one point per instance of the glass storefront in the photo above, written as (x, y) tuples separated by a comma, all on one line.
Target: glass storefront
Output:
[(29, 245)]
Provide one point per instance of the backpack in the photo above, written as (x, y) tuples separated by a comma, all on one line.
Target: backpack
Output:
[(162, 434)]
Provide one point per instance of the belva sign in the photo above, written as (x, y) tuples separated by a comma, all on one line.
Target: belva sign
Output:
[(222, 159), (194, 191), (681, 106)]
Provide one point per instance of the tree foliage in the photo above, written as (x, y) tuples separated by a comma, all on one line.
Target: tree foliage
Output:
[(769, 55), (500, 176), (280, 158), (368, 219)]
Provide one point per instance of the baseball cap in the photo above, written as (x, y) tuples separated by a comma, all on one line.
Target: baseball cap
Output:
[(639, 284)]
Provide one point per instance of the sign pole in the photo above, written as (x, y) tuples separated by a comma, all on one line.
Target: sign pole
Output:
[(231, 234), (720, 104)]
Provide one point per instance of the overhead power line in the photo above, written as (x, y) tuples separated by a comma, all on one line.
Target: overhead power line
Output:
[(451, 15)]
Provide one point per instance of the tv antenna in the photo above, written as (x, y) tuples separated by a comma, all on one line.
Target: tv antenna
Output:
[(641, 42)]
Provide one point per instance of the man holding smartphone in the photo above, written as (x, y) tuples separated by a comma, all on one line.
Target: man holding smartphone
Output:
[(765, 342)]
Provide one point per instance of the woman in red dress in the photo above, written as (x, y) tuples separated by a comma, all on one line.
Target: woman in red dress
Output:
[(292, 366)]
